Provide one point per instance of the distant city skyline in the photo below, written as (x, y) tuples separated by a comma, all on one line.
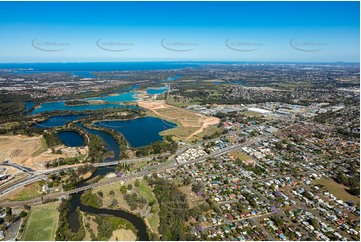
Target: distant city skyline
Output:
[(180, 31)]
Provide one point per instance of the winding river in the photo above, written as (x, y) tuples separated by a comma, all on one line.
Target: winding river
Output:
[(75, 203)]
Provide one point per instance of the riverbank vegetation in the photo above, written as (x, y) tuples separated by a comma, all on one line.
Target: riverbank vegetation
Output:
[(136, 191), (92, 200), (108, 225), (165, 145), (64, 232)]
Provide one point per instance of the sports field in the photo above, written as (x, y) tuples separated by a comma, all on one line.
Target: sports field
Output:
[(42, 223)]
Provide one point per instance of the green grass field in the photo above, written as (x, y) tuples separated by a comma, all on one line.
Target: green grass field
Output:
[(146, 191), (42, 223)]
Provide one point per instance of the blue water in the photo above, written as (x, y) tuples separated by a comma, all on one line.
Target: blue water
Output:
[(85, 74), (84, 67), (154, 91), (110, 143), (60, 106), (139, 132), (173, 78), (71, 138), (123, 97), (29, 105), (56, 121)]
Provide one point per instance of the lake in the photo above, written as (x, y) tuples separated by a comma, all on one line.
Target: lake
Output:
[(56, 121), (156, 91), (110, 143), (29, 105), (114, 98), (71, 138), (60, 106), (139, 132), (173, 78)]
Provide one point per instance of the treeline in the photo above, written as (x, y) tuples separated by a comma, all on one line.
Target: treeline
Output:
[(52, 139), (352, 181), (11, 111), (21, 129), (106, 226), (96, 148), (134, 201), (123, 145), (67, 179), (174, 211), (64, 232), (166, 145), (76, 102)]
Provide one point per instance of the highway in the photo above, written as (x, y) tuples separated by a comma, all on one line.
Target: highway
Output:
[(173, 165), (41, 174)]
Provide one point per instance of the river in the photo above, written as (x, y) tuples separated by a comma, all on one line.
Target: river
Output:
[(75, 203)]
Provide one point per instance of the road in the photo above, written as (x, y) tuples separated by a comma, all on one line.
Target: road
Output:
[(113, 180), (13, 230), (38, 175)]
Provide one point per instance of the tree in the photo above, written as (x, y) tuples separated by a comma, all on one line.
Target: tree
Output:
[(187, 181), (23, 214), (8, 211), (196, 187), (123, 189), (315, 223)]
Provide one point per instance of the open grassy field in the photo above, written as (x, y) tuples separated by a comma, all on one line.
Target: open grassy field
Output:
[(28, 192), (182, 102), (206, 132), (180, 132), (42, 223), (240, 155), (152, 219), (338, 190), (146, 191), (192, 199)]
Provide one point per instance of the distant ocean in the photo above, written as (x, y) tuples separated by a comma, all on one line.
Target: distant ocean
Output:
[(95, 66), (83, 69)]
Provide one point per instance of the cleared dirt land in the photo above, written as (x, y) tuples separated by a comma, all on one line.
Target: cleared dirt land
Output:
[(42, 223), (18, 148), (32, 151), (191, 123)]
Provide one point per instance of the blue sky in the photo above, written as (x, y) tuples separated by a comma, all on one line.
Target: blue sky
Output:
[(141, 31)]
